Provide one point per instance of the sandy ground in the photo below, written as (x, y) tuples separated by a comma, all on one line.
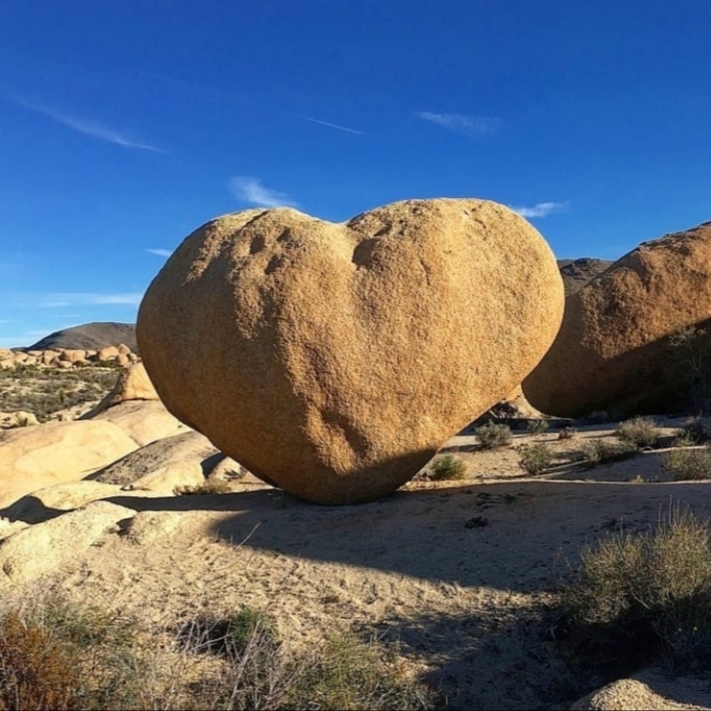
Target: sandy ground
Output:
[(458, 573)]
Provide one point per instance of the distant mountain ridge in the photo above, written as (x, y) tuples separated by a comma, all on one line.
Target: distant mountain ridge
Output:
[(89, 336), (577, 273)]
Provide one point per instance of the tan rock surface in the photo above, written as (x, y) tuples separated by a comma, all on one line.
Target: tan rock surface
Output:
[(142, 420), (33, 458), (72, 355), (66, 537), (334, 359), (612, 351), (108, 353), (133, 383), (188, 449)]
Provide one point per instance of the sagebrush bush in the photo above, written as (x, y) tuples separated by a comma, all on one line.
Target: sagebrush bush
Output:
[(538, 426), (654, 585), (535, 458), (688, 464), (597, 451), (639, 431), (447, 467), (493, 435)]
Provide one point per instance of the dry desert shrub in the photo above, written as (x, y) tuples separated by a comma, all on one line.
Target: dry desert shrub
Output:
[(54, 655), (688, 464), (649, 588), (492, 435), (209, 487), (597, 451), (447, 468), (348, 673), (535, 458), (538, 426), (639, 431)]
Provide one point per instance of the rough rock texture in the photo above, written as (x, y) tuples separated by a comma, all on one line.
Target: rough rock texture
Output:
[(577, 273), (335, 359), (189, 448), (144, 421), (23, 555), (32, 458), (133, 383), (613, 351)]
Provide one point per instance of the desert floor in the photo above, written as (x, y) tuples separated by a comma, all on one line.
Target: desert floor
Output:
[(459, 574)]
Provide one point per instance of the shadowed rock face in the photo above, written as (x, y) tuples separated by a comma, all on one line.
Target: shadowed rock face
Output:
[(89, 336), (613, 351), (335, 359)]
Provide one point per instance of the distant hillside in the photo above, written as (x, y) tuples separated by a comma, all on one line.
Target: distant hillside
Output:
[(90, 336), (577, 273)]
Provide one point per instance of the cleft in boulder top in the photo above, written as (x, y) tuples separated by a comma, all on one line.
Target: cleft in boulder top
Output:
[(333, 360)]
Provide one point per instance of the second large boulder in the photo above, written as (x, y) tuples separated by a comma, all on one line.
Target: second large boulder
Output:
[(621, 347)]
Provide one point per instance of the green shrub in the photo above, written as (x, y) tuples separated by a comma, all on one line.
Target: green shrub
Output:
[(447, 468), (492, 435), (538, 426), (535, 458), (652, 586), (639, 431), (688, 464), (596, 451)]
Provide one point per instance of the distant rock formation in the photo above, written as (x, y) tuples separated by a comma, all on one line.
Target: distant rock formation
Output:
[(335, 359), (89, 336), (577, 273)]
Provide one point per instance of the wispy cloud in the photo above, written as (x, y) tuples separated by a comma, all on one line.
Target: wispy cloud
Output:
[(252, 191), (63, 300), (161, 252), (190, 85), (87, 126), (542, 209), (473, 126), (332, 125)]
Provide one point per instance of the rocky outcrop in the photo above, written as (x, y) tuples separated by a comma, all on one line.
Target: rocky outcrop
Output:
[(335, 359), (33, 458), (615, 350)]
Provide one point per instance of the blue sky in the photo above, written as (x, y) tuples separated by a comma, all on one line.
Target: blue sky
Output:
[(125, 124)]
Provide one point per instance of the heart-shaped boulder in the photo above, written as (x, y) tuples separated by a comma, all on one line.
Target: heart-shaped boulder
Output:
[(333, 360)]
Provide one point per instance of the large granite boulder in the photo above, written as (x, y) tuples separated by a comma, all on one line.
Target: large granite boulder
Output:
[(333, 360), (618, 349)]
